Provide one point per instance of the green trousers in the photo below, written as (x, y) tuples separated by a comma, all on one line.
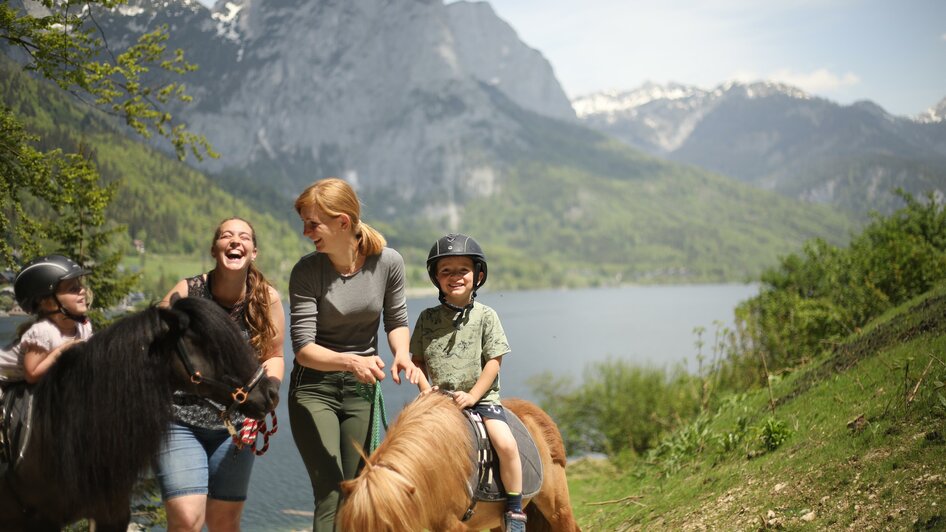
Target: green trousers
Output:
[(328, 419)]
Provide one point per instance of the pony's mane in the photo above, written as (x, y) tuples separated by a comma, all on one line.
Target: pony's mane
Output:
[(106, 403), (216, 333), (395, 490)]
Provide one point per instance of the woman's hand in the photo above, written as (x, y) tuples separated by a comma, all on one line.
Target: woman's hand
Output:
[(412, 373), (368, 370)]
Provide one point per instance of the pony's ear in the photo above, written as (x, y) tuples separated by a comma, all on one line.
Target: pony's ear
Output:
[(348, 486), (174, 297), (174, 320)]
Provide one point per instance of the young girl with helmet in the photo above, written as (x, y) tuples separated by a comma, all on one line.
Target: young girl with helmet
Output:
[(51, 289), (460, 345)]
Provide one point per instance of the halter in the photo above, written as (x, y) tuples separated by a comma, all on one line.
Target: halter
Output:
[(239, 393)]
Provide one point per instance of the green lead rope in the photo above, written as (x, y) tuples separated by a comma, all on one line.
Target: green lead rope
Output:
[(372, 394)]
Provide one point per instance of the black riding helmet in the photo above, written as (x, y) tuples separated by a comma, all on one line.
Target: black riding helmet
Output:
[(39, 279), (457, 245)]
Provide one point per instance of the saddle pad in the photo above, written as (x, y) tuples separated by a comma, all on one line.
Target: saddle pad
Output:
[(528, 455)]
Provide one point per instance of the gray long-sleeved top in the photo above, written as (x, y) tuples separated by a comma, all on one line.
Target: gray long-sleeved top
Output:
[(342, 313)]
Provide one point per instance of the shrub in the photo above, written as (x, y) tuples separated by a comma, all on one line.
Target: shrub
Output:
[(620, 406), (814, 298)]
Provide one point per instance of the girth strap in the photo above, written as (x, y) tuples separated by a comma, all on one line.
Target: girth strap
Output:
[(484, 456)]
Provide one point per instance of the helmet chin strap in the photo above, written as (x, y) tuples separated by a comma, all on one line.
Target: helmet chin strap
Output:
[(78, 318), (461, 311)]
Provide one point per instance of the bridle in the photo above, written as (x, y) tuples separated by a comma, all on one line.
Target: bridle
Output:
[(239, 393)]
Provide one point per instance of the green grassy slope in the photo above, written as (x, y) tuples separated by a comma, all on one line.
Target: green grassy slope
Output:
[(865, 449), (676, 224)]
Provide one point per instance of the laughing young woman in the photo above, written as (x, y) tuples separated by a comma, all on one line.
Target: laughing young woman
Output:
[(203, 474)]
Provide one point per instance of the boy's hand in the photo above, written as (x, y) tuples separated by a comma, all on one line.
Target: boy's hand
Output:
[(463, 399)]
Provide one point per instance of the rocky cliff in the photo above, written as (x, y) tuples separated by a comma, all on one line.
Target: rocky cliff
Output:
[(398, 97)]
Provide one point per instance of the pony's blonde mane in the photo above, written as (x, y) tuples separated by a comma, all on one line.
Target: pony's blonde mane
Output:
[(409, 481)]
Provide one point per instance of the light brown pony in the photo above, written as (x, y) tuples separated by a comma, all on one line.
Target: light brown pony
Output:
[(417, 478)]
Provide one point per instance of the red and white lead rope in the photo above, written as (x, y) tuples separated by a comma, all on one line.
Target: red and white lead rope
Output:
[(250, 431)]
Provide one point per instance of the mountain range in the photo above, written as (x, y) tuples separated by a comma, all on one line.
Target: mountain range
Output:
[(775, 136), (444, 120)]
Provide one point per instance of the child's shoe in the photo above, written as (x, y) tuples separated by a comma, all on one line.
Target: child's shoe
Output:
[(515, 521)]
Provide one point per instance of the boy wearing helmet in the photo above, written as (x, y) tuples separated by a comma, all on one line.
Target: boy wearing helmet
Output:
[(459, 344), (51, 289)]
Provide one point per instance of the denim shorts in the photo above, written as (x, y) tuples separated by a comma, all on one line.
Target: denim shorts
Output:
[(197, 461)]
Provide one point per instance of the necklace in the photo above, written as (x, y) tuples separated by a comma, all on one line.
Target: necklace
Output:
[(354, 268)]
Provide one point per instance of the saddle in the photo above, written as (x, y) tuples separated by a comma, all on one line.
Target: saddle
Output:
[(16, 405), (485, 483)]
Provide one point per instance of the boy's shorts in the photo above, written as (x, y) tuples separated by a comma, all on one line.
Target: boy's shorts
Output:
[(490, 411)]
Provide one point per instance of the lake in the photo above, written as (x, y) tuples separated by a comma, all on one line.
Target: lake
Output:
[(556, 331)]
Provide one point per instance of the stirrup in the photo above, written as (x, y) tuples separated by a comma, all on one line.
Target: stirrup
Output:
[(514, 521)]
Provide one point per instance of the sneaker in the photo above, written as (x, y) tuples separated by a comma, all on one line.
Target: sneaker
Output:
[(515, 521)]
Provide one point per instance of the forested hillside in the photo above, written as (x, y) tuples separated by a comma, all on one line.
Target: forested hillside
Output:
[(170, 207)]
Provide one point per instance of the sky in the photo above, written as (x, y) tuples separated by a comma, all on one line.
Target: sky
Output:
[(892, 52)]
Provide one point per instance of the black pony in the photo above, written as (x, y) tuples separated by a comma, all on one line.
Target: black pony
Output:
[(99, 416)]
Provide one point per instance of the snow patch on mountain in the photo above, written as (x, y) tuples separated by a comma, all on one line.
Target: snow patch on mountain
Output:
[(130, 11), (226, 17), (676, 96), (934, 115), (612, 101)]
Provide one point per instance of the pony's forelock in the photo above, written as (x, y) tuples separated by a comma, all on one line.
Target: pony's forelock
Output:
[(430, 434), (235, 354)]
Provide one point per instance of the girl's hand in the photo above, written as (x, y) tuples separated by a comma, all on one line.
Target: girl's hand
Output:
[(429, 390), (367, 370), (463, 399)]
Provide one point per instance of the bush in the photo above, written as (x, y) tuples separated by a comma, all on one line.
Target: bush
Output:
[(620, 406), (813, 299), (773, 433)]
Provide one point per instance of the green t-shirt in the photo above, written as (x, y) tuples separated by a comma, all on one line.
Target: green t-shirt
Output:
[(455, 357)]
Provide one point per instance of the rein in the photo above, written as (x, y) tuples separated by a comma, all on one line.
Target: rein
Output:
[(379, 415), (250, 432)]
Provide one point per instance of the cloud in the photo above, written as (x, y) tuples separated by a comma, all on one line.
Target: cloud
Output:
[(819, 80), (943, 36)]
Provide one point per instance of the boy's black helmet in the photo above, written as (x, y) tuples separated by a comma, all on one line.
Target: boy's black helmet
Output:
[(39, 278), (457, 245)]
